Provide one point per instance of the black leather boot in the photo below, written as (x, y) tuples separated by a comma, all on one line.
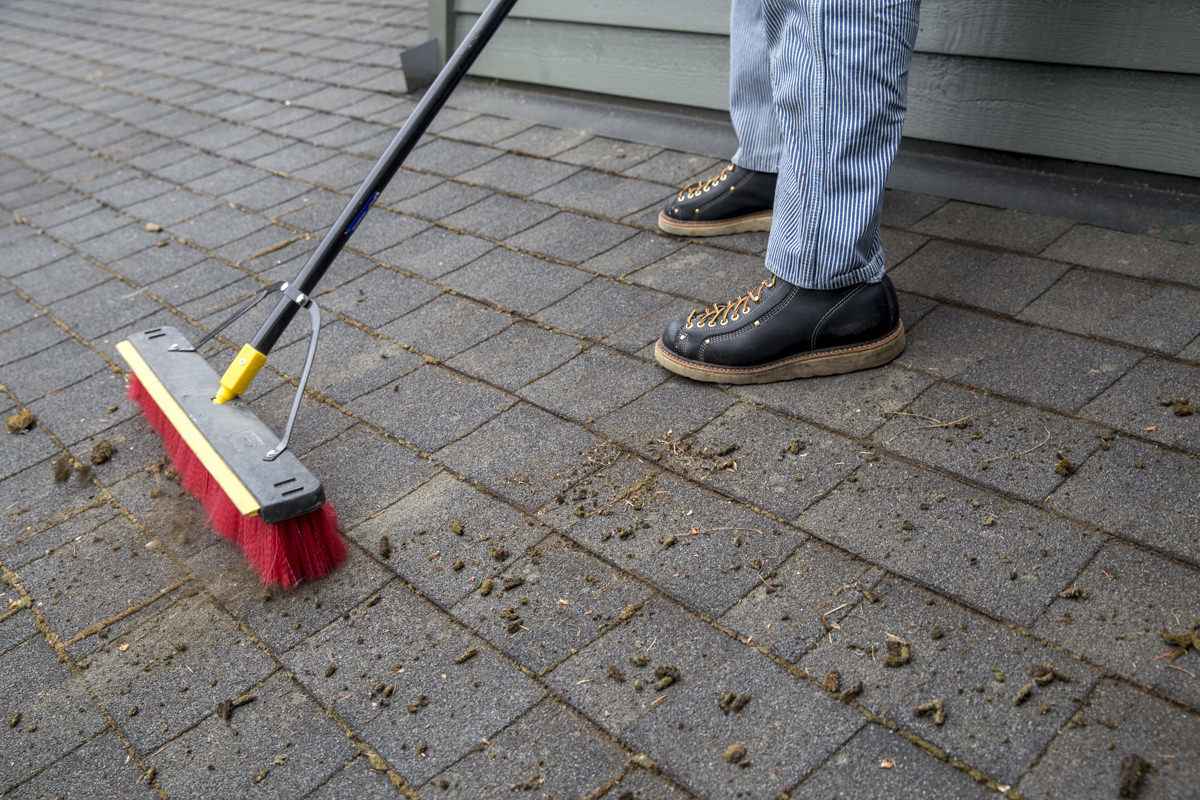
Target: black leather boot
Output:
[(734, 201), (778, 331)]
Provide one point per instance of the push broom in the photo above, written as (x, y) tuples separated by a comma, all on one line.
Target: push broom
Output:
[(255, 491)]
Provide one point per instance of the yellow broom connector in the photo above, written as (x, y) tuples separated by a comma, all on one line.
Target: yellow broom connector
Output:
[(243, 369)]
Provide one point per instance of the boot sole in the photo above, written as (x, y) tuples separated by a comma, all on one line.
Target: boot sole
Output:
[(751, 222), (831, 361)]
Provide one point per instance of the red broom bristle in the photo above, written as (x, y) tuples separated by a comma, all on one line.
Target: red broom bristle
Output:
[(282, 553)]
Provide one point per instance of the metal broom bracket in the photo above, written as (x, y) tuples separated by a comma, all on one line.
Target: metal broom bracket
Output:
[(278, 286), (314, 314)]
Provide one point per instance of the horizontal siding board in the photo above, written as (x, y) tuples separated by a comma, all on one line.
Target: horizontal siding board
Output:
[(1140, 118), (441, 14), (663, 66), (695, 16), (1158, 35), (1133, 119)]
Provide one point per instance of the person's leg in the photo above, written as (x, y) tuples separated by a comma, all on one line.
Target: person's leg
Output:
[(839, 69), (751, 101), (739, 197)]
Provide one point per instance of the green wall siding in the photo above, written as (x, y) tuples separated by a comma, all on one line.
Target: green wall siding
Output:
[(1102, 81)]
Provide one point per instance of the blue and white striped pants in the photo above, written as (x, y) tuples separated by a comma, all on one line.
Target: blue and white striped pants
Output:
[(818, 94)]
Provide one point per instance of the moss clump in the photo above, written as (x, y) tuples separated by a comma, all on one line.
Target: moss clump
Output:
[(732, 702), (1044, 673), (934, 708), (102, 452), (898, 653), (20, 422), (62, 469), (667, 674), (1133, 770), (736, 754), (1182, 640)]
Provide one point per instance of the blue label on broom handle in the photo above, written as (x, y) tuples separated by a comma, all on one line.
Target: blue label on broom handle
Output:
[(362, 213)]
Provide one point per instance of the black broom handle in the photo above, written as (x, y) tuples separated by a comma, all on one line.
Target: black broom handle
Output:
[(416, 124)]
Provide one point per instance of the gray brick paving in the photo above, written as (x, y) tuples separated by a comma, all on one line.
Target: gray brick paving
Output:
[(1128, 254), (517, 355), (1119, 308), (81, 411), (278, 744), (434, 252), (802, 600), (1143, 403), (764, 459), (515, 281), (27, 338), (441, 199), (786, 728), (569, 390), (498, 216), (395, 642), (854, 643), (1005, 283), (1117, 617), (876, 397), (446, 537), (1009, 447), (431, 407), (992, 716), (97, 769), (1018, 489), (16, 625), (55, 713), (1116, 724), (446, 326), (523, 613), (954, 537), (602, 307), (525, 454), (164, 668), (877, 763), (550, 750), (1013, 230), (702, 273), (514, 174), (1139, 491)]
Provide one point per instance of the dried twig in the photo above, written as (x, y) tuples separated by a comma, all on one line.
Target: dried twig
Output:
[(935, 423), (1040, 444)]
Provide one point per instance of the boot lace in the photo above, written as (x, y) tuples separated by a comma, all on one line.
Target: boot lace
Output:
[(697, 189), (721, 313)]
